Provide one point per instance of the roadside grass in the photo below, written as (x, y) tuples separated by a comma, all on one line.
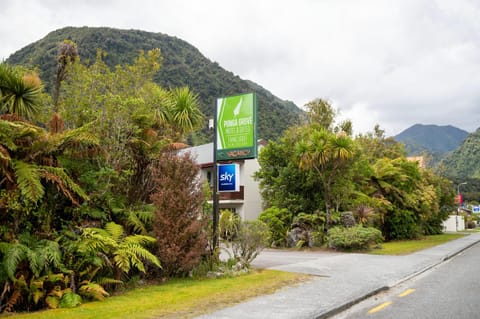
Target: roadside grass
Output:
[(404, 247), (179, 298), (472, 230)]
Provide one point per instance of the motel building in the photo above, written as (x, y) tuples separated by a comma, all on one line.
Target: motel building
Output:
[(246, 202)]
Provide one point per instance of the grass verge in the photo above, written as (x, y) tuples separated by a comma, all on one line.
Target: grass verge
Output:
[(404, 247), (182, 298)]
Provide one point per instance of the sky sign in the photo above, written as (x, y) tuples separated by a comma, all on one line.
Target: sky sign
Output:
[(228, 177), (237, 127)]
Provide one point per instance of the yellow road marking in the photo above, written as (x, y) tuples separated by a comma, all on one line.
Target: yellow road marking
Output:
[(378, 308), (406, 292)]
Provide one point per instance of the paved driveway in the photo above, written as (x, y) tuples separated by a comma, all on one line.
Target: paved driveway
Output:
[(269, 258)]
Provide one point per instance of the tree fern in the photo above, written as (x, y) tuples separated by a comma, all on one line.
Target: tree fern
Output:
[(81, 136), (115, 231), (14, 254), (58, 176), (95, 240), (134, 222), (7, 134), (138, 219), (28, 180)]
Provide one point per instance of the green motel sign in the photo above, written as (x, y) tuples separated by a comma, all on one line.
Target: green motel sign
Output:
[(236, 127)]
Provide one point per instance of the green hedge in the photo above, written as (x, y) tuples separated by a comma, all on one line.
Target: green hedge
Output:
[(357, 237)]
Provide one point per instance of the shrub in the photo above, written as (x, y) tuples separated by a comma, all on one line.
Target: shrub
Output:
[(278, 221), (228, 224), (252, 237), (178, 226), (357, 237), (401, 224)]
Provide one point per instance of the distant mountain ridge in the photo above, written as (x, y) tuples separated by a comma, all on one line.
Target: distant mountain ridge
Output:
[(433, 139), (464, 162), (183, 65)]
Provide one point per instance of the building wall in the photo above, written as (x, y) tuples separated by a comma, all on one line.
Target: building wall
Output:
[(251, 206), (454, 223)]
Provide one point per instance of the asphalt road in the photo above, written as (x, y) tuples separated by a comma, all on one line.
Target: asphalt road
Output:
[(450, 290)]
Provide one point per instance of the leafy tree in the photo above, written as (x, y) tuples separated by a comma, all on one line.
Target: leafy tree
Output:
[(321, 113), (282, 183), (408, 198), (135, 118), (184, 111), (375, 145)]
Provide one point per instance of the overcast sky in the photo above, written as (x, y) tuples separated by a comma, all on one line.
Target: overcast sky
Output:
[(391, 62)]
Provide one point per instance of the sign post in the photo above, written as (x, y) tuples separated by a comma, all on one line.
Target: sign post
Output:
[(235, 127)]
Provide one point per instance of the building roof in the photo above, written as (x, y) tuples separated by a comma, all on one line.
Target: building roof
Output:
[(203, 154)]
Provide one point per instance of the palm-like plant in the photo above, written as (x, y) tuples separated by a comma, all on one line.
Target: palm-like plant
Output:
[(184, 112), (18, 94), (326, 153)]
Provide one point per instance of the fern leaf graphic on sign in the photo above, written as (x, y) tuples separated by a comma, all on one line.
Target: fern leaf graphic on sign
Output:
[(236, 110)]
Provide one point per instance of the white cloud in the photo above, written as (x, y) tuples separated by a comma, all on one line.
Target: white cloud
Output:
[(395, 63)]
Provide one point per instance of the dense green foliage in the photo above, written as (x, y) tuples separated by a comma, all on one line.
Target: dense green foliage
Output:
[(183, 65), (76, 217), (278, 222), (357, 237), (464, 161), (317, 169)]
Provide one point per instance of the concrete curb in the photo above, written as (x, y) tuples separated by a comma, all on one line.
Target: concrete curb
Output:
[(351, 303)]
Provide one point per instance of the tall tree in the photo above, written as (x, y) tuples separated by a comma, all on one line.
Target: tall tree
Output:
[(321, 112)]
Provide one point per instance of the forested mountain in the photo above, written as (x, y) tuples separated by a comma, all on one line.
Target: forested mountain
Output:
[(183, 65), (464, 162), (431, 138), (434, 140)]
